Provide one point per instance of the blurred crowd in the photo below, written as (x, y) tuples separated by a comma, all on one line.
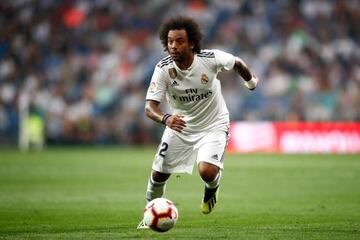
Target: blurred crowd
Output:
[(84, 66)]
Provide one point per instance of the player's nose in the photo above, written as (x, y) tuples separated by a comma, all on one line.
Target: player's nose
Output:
[(173, 45)]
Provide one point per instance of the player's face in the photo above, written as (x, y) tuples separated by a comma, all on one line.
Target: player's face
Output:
[(178, 45)]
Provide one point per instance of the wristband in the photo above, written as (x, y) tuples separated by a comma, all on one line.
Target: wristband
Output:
[(252, 83), (165, 117)]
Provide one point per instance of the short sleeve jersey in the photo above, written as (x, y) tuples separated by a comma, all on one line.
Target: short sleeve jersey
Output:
[(195, 92)]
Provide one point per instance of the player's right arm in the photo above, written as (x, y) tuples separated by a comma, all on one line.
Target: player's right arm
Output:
[(155, 94), (153, 111)]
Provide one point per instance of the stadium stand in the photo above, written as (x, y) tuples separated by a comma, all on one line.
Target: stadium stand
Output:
[(84, 66)]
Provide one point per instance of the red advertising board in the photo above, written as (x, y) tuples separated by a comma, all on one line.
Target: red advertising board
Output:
[(295, 137)]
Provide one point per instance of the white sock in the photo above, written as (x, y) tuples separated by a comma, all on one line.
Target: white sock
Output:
[(154, 189), (215, 183)]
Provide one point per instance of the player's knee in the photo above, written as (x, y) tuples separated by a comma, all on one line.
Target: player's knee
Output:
[(208, 172), (159, 177), (207, 176)]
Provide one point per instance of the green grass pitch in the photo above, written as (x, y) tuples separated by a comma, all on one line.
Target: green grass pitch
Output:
[(99, 194)]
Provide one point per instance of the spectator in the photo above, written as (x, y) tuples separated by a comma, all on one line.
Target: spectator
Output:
[(86, 64)]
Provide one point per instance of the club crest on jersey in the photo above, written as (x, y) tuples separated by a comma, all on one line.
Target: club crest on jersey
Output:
[(204, 79), (172, 73)]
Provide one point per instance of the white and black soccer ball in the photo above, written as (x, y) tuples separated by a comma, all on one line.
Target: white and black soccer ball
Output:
[(160, 214)]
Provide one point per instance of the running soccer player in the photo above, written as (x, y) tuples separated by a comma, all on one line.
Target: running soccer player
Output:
[(197, 129)]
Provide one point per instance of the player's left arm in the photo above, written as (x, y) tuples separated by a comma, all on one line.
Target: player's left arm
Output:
[(242, 69)]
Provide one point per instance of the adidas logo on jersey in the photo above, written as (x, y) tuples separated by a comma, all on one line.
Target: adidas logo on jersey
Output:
[(215, 157), (174, 83)]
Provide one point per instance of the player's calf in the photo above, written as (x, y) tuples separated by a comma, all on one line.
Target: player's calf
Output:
[(154, 189)]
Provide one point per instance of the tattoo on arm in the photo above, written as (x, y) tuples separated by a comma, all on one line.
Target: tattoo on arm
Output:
[(242, 70), (153, 111)]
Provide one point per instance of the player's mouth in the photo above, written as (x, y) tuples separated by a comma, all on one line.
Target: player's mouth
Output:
[(175, 54)]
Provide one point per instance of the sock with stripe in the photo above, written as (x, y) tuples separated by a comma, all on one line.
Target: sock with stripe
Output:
[(154, 189), (211, 187)]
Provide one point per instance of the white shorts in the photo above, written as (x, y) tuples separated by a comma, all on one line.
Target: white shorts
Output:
[(175, 155)]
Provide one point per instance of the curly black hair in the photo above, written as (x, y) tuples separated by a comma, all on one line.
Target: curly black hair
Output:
[(181, 22)]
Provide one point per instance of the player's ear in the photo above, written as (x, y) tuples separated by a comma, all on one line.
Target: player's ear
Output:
[(192, 45)]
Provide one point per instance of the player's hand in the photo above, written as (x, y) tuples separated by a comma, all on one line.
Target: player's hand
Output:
[(176, 122), (252, 83)]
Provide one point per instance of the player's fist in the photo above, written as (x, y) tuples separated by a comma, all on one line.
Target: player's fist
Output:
[(176, 122), (252, 83)]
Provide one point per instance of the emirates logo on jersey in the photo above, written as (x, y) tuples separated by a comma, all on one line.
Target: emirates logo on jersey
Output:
[(204, 79)]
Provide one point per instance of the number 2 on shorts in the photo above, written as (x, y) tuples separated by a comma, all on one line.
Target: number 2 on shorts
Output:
[(164, 147)]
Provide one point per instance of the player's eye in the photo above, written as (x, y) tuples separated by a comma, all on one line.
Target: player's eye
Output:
[(180, 41)]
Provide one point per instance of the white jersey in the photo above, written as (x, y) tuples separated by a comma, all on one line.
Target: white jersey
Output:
[(195, 92)]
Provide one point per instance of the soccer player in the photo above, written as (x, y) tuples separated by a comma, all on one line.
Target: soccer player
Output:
[(197, 129)]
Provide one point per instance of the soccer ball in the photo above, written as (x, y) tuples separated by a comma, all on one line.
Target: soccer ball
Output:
[(160, 214)]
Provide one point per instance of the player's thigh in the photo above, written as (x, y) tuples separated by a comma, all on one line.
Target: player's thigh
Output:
[(212, 148), (173, 155)]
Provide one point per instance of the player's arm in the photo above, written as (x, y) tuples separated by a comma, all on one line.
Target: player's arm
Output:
[(251, 80), (153, 111)]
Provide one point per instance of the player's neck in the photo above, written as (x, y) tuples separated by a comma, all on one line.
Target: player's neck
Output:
[(183, 65)]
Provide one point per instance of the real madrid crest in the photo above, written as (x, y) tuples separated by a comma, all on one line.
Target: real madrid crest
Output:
[(172, 73), (204, 79)]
